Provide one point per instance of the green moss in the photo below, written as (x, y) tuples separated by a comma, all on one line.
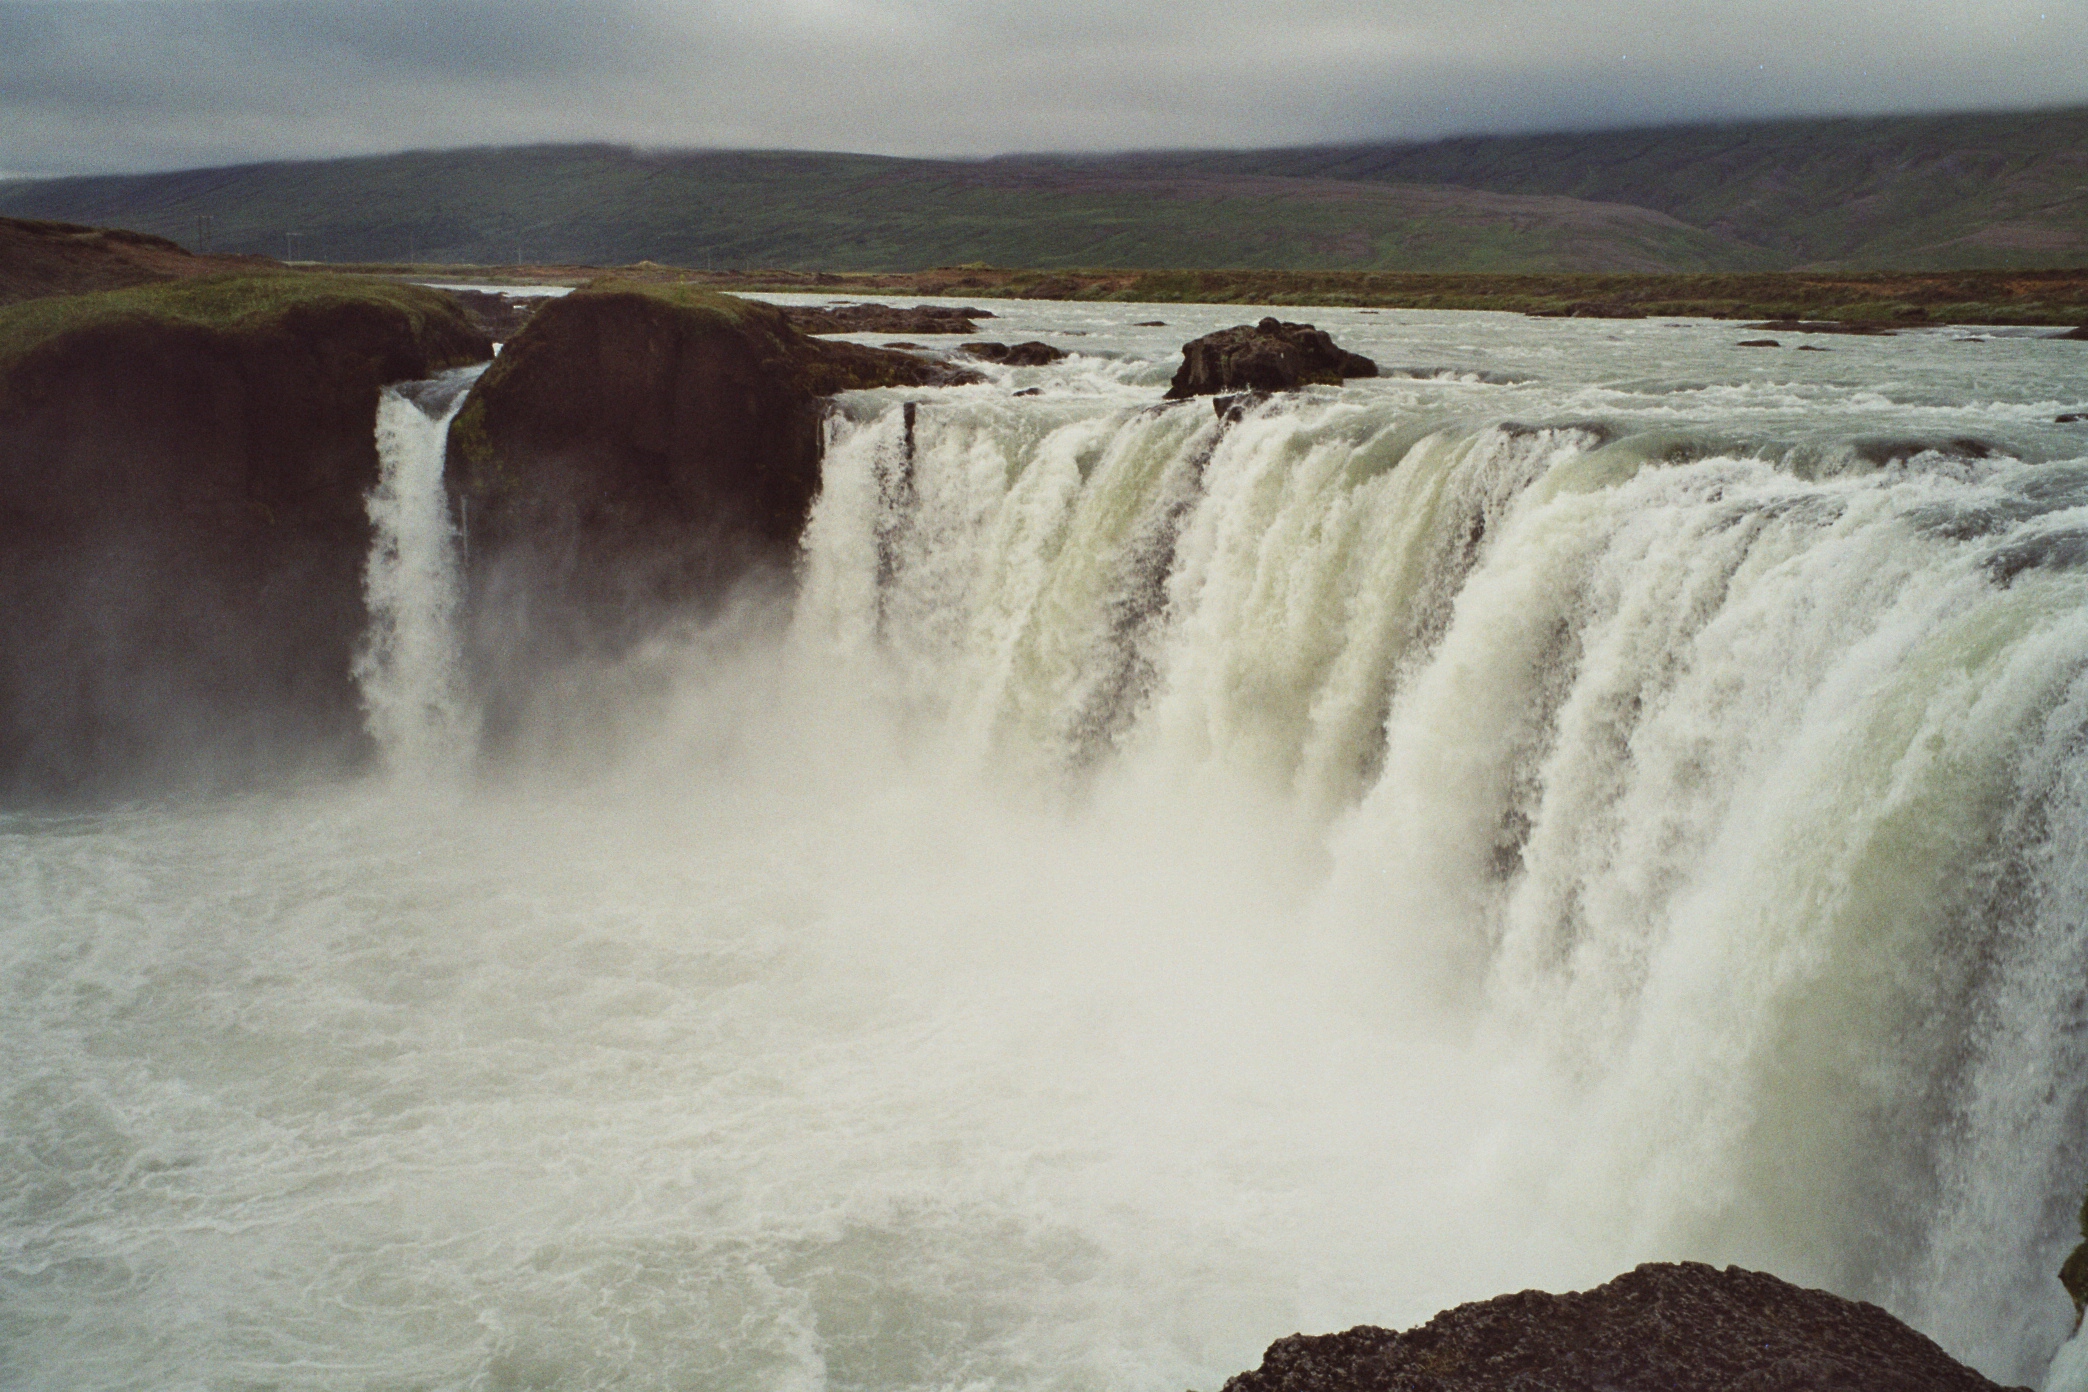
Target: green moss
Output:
[(725, 309), (468, 432), (228, 303)]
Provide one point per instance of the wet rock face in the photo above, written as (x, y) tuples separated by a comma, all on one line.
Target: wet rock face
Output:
[(633, 454), (500, 317), (1269, 356), (181, 569), (1682, 1327)]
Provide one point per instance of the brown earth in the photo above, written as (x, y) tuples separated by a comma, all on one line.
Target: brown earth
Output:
[(63, 258)]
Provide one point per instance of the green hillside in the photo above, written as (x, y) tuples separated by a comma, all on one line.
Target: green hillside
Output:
[(1894, 193), (606, 206), (1943, 192)]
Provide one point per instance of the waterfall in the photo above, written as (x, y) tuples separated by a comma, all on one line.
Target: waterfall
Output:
[(1735, 796), (409, 669), (1161, 880)]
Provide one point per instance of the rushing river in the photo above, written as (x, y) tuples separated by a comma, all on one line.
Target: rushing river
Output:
[(1595, 794)]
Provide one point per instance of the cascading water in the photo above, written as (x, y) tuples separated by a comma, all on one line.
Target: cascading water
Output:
[(409, 669), (1167, 882)]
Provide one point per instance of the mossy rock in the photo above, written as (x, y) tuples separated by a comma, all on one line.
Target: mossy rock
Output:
[(636, 450), (183, 468)]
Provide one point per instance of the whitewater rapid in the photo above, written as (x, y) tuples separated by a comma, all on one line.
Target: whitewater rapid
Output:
[(1592, 795)]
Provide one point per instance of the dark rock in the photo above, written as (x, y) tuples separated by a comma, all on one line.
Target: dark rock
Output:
[(2077, 333), (873, 318), (1884, 450), (632, 454), (1813, 348), (1603, 309), (1758, 343), (1031, 354), (183, 471), (1150, 324), (1269, 356), (1231, 408), (2070, 418), (904, 344), (2073, 1273), (500, 317), (1824, 326), (1031, 391), (1681, 1327)]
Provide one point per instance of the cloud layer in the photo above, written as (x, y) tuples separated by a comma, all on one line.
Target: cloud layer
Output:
[(91, 85)]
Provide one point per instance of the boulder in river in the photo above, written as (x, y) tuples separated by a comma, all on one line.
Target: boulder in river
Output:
[(876, 318), (183, 469), (1268, 356), (1663, 1327), (1030, 354)]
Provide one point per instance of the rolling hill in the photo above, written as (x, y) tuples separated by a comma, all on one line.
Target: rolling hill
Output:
[(1938, 192)]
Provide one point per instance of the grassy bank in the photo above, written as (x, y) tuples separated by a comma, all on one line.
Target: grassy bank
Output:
[(2057, 298), (227, 303)]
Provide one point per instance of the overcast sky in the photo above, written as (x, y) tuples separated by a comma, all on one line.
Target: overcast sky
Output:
[(121, 85)]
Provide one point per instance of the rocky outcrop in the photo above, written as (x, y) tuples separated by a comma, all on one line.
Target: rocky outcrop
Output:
[(1268, 356), (633, 453), (2078, 332), (1681, 1327), (500, 317), (182, 479), (874, 318), (1030, 354)]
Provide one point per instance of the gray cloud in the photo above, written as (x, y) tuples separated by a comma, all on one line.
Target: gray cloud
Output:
[(141, 84)]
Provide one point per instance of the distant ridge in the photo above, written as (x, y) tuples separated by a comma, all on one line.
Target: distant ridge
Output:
[(1993, 190)]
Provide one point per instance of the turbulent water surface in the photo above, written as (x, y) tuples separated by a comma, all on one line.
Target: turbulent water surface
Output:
[(1595, 794)]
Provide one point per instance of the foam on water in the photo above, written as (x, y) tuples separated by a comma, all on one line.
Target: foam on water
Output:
[(1160, 885)]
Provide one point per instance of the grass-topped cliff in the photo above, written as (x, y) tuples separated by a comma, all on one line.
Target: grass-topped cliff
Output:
[(634, 452), (242, 305), (184, 471)]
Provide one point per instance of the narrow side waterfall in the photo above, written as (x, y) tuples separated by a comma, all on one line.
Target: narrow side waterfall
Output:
[(410, 670)]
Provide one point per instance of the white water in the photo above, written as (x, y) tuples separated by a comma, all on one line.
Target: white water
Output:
[(1159, 887), (413, 684)]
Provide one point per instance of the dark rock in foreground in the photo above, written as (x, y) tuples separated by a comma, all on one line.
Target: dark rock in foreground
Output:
[(2077, 332), (874, 318), (1031, 354), (1269, 356), (1682, 1327), (183, 471)]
